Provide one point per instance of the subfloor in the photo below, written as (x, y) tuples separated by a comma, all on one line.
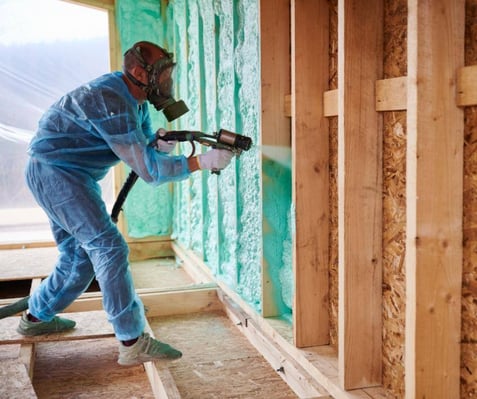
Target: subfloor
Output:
[(218, 361), (86, 369)]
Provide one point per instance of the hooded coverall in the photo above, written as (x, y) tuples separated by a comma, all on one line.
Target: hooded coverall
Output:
[(79, 138)]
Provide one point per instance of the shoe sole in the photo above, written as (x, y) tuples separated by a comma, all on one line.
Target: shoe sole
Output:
[(14, 308)]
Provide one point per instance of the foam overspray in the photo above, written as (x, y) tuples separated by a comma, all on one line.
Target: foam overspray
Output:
[(277, 244), (278, 154)]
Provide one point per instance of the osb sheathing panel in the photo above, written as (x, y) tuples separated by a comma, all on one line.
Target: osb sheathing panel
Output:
[(333, 181), (469, 284), (15, 381), (394, 203), (86, 369), (218, 361), (25, 264), (394, 208)]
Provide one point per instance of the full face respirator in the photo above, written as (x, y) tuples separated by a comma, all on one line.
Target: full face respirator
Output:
[(159, 83)]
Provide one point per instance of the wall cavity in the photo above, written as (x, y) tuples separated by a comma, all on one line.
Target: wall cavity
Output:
[(148, 210), (216, 47), (219, 217)]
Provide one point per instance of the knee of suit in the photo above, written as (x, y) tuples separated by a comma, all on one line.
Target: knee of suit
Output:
[(109, 256)]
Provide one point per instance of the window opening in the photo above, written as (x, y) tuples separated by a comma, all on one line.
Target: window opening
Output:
[(48, 47)]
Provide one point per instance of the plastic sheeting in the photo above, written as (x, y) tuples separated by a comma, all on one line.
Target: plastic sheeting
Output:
[(38, 64), (32, 77)]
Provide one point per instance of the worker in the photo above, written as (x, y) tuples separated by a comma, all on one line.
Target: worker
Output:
[(79, 138)]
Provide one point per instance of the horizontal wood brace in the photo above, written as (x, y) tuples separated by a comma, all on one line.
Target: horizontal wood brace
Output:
[(158, 302), (391, 94)]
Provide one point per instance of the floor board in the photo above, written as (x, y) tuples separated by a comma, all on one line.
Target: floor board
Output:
[(218, 361), (86, 369)]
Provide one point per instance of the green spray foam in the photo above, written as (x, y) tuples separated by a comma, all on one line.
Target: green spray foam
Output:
[(278, 154), (223, 212), (277, 243)]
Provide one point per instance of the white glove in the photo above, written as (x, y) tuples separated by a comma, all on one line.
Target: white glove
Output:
[(163, 145), (215, 159)]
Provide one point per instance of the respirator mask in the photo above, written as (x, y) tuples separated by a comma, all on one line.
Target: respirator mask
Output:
[(159, 84)]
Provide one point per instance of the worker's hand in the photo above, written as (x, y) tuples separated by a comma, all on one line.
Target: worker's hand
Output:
[(163, 145), (215, 159)]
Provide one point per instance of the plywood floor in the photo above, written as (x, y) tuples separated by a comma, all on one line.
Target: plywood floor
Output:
[(86, 369), (218, 361), (27, 263)]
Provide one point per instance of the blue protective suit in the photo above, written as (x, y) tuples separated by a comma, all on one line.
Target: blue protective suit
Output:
[(79, 139)]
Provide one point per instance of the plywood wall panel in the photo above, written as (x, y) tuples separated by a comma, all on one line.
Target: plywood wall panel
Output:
[(394, 203), (469, 273), (333, 180)]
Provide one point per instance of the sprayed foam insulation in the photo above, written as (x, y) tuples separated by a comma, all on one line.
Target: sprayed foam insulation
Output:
[(176, 40), (192, 120), (219, 217), (247, 66), (469, 280), (224, 250), (277, 230), (394, 203), (216, 46), (148, 209)]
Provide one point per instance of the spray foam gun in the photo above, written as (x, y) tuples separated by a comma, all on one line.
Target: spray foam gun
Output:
[(223, 139)]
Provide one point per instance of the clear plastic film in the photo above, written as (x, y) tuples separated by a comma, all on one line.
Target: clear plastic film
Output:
[(47, 49)]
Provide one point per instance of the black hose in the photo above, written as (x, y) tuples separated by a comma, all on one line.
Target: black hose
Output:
[(127, 186), (14, 308)]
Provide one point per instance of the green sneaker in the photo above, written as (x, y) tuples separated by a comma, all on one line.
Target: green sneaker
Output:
[(146, 349), (56, 325)]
